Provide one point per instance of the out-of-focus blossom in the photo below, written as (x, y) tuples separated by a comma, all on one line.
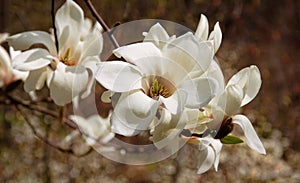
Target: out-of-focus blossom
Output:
[(95, 129), (7, 73), (64, 71)]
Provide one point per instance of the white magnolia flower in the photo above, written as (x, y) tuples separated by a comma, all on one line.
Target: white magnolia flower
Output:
[(157, 78), (65, 71), (161, 134), (94, 128), (239, 91), (7, 73)]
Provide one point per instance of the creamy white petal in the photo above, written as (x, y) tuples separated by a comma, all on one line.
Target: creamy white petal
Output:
[(133, 112), (251, 137), (206, 160), (190, 117), (253, 85), (3, 37), (13, 53), (234, 97), (94, 128), (199, 91), (164, 68), (166, 133), (36, 79), (176, 102), (92, 45), (4, 60), (189, 53), (32, 59), (91, 65), (249, 79), (119, 76), (69, 22), (215, 72), (137, 52), (67, 83), (25, 40), (157, 35), (216, 36), (217, 146), (6, 71), (202, 29)]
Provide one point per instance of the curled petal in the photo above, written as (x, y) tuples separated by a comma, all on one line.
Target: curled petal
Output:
[(234, 97), (92, 45), (207, 158), (251, 137), (3, 37), (176, 102), (202, 29), (249, 80), (137, 52), (199, 91), (67, 83), (133, 113), (217, 146), (36, 79), (216, 36), (94, 128), (32, 59), (25, 40), (166, 134), (214, 71), (69, 22), (4, 60), (189, 53), (157, 35), (119, 76)]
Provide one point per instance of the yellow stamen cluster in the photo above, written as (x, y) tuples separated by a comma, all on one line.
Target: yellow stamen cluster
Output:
[(67, 58), (157, 89)]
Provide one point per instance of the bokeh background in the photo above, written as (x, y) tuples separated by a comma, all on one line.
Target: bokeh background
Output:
[(261, 32)]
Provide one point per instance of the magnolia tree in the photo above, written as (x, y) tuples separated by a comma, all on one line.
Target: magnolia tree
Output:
[(163, 84)]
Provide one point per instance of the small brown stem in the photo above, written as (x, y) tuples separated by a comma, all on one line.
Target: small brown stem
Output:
[(62, 113)]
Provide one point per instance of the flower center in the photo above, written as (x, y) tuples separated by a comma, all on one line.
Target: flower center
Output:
[(66, 59), (160, 87)]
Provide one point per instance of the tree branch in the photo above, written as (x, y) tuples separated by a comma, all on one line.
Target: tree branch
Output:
[(53, 24), (38, 108), (102, 23)]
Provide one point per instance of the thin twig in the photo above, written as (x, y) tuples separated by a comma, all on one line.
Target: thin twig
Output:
[(41, 109), (45, 140), (39, 136), (53, 24), (102, 23)]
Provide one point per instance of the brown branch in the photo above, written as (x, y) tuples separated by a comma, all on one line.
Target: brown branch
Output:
[(41, 109), (102, 23), (54, 27)]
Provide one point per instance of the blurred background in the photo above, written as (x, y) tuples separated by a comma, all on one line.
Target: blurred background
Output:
[(261, 32)]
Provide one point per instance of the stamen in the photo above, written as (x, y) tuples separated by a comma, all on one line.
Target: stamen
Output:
[(157, 89), (67, 58), (67, 55)]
